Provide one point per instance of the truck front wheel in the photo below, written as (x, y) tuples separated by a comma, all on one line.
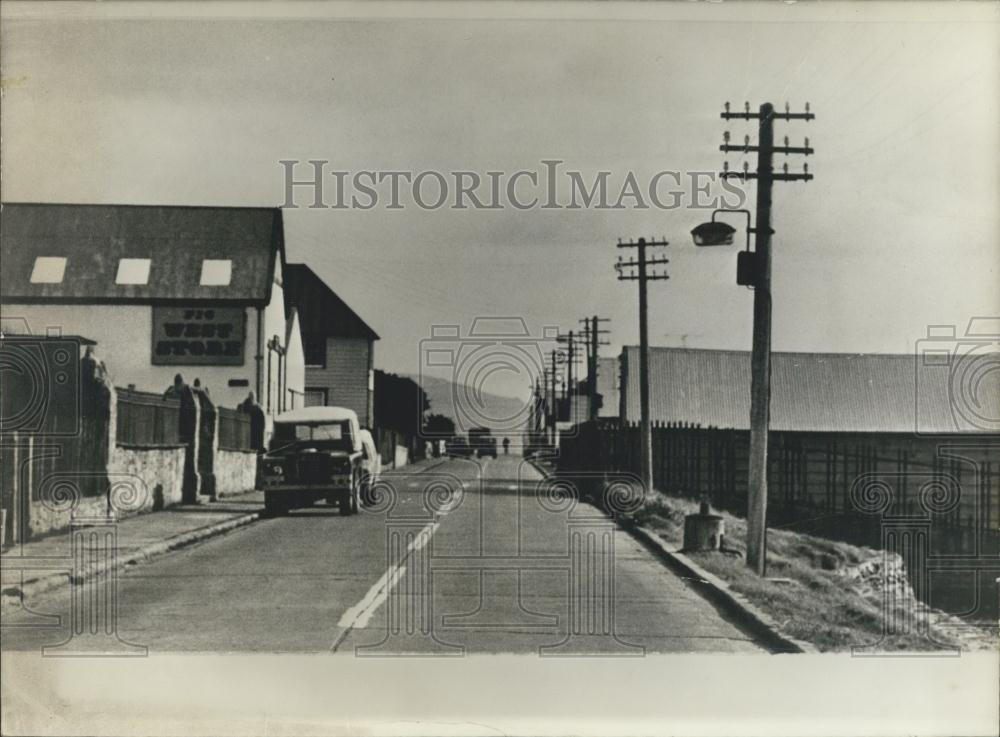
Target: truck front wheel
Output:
[(345, 502), (274, 505)]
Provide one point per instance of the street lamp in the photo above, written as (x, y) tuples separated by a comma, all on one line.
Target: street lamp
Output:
[(717, 233)]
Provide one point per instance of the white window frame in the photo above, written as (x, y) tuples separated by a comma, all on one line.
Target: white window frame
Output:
[(211, 278), (48, 270), (138, 277)]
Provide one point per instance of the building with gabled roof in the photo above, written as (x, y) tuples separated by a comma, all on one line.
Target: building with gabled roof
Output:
[(339, 345), (161, 290)]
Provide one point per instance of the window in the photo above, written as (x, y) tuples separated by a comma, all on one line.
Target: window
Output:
[(216, 272), (48, 270), (133, 271), (315, 397), (326, 435), (314, 348)]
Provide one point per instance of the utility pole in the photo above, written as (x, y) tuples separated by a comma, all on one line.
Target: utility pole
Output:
[(641, 264), (553, 374), (760, 359), (592, 333), (572, 356)]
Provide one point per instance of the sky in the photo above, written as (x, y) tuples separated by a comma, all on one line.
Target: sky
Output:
[(196, 105)]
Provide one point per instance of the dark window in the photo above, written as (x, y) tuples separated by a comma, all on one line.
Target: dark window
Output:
[(315, 397), (314, 347)]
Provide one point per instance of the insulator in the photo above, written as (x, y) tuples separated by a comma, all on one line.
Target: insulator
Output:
[(727, 108), (805, 168), (807, 142), (786, 139), (784, 168), (746, 166), (807, 107), (786, 108), (746, 140), (746, 107), (725, 136), (725, 167)]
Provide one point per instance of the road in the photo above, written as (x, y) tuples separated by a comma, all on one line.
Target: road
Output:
[(462, 557)]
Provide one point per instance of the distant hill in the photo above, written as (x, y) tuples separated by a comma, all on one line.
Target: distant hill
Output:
[(510, 413)]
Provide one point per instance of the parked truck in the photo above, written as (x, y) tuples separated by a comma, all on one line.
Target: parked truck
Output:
[(318, 453)]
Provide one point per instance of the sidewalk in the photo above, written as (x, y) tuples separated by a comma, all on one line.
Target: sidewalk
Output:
[(31, 568)]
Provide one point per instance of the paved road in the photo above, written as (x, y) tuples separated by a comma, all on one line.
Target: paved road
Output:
[(462, 557)]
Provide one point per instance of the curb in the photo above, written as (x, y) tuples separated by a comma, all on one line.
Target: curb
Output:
[(17, 595), (762, 627), (747, 616)]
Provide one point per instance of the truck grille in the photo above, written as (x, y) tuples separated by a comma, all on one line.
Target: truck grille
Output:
[(314, 468)]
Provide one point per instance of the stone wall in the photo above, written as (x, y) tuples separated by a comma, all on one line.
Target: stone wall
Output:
[(50, 515), (144, 479), (235, 471)]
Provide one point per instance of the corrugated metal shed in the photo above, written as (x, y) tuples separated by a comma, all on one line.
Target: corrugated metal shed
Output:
[(93, 238), (816, 392)]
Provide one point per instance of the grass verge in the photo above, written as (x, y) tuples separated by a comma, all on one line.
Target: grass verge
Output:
[(832, 594)]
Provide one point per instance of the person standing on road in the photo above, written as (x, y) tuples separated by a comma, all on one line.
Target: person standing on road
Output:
[(506, 445)]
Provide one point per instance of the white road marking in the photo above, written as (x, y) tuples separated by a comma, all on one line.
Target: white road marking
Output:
[(359, 615), (363, 617)]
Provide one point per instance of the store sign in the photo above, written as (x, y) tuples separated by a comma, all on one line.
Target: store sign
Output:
[(198, 336)]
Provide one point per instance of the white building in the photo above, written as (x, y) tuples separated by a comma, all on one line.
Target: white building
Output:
[(161, 290)]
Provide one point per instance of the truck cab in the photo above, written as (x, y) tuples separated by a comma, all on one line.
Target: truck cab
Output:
[(317, 453)]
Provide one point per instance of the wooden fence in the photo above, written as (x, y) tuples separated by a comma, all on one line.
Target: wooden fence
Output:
[(147, 420), (810, 475), (234, 429)]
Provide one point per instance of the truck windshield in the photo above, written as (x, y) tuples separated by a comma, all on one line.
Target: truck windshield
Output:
[(330, 435)]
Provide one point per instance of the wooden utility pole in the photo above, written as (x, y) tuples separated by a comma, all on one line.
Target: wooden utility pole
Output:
[(572, 356), (592, 334), (554, 398), (641, 275), (760, 359)]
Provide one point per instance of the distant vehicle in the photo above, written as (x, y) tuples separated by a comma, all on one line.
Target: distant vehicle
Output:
[(458, 447), (318, 453), (483, 442)]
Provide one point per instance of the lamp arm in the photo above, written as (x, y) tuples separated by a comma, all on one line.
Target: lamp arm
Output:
[(744, 212)]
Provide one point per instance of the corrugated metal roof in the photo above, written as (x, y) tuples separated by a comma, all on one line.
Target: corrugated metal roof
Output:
[(93, 238), (818, 392)]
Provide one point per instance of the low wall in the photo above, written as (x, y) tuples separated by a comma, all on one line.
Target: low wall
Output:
[(48, 516), (145, 479), (137, 480), (235, 471)]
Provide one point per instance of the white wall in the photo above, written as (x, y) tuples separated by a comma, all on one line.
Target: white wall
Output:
[(273, 325), (124, 342), (123, 334), (295, 367)]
